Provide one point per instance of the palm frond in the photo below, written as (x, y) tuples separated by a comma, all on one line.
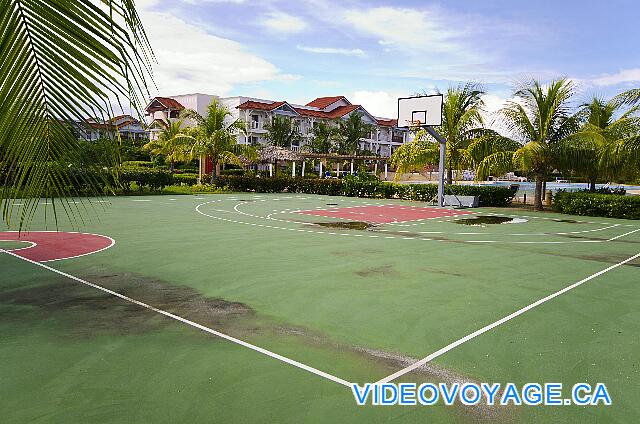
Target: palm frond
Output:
[(62, 62), (497, 163)]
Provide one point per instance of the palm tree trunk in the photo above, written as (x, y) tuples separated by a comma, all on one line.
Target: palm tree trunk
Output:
[(214, 172), (537, 199), (171, 166), (275, 169), (592, 185)]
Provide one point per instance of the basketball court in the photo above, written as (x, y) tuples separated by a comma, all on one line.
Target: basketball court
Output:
[(180, 307)]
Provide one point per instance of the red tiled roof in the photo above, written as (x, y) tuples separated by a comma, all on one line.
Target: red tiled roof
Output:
[(322, 102), (340, 111), (250, 104), (335, 113), (169, 102), (384, 122), (130, 120)]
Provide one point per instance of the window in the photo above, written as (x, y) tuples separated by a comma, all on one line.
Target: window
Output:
[(174, 114)]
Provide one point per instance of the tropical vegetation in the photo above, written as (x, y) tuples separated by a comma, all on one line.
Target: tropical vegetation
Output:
[(60, 65), (351, 131), (169, 143), (543, 135), (214, 136), (282, 132)]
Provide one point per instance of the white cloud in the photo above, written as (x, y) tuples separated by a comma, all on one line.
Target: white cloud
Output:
[(379, 103), (332, 50), (620, 77), (424, 31), (281, 22), (192, 60)]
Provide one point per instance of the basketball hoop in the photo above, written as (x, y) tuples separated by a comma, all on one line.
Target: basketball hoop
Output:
[(425, 112), (420, 111)]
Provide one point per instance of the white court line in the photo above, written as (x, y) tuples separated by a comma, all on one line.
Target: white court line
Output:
[(493, 325), (235, 208), (191, 323), (622, 235)]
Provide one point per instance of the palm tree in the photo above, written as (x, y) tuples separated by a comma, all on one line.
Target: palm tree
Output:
[(62, 62), (605, 125), (282, 132), (324, 138), (215, 137), (540, 119), (461, 123), (623, 154), (169, 143), (351, 131)]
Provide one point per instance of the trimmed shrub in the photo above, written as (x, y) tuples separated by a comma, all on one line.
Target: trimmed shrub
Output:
[(187, 179), (232, 171), (154, 179), (487, 195), (362, 187), (593, 204), (137, 164)]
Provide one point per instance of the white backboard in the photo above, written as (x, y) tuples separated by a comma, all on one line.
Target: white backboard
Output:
[(426, 109)]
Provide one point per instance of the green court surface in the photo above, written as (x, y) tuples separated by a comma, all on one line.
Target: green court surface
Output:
[(356, 301)]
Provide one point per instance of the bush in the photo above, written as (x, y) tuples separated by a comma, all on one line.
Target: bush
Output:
[(594, 204), (361, 187), (137, 164), (232, 172), (620, 191), (488, 196), (187, 179), (154, 179)]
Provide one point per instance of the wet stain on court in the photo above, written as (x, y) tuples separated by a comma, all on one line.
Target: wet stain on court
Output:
[(479, 221), (85, 312), (385, 271), (348, 225)]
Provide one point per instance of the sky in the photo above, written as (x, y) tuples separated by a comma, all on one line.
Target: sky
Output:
[(373, 52)]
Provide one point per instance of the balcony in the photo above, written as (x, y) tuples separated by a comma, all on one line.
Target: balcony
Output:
[(397, 139), (295, 148)]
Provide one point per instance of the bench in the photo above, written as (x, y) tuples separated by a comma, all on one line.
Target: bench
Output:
[(461, 201)]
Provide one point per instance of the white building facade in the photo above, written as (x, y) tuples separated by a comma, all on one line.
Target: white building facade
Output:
[(257, 113)]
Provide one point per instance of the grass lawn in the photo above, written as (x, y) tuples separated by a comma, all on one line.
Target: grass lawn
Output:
[(357, 301)]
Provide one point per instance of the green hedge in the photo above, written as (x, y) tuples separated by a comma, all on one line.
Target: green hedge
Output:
[(187, 179), (362, 187), (154, 179), (232, 171), (593, 204)]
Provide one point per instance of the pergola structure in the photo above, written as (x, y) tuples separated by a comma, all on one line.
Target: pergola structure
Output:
[(351, 158)]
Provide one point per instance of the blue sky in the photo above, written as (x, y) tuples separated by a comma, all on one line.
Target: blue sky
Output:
[(376, 51)]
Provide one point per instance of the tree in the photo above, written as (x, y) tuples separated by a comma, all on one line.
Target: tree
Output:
[(540, 119), (282, 132), (324, 138), (61, 62), (351, 131), (461, 123), (623, 154), (169, 143), (215, 137), (604, 125)]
